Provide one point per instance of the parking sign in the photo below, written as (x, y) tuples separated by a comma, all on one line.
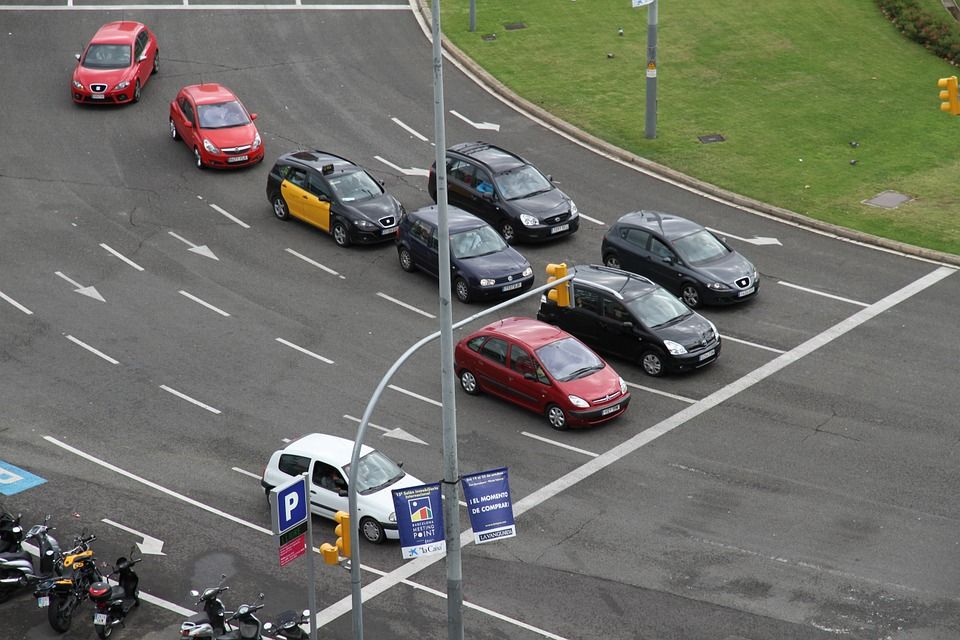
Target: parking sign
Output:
[(289, 505)]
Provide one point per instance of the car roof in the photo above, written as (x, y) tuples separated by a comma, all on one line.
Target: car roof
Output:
[(457, 219), (326, 446), (528, 331), (317, 159), (119, 32), (623, 283), (666, 224), (209, 93), (495, 158)]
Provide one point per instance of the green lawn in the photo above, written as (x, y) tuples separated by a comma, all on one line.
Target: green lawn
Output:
[(788, 84)]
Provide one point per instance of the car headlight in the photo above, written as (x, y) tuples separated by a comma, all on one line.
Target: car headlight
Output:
[(366, 225), (675, 348), (392, 517), (210, 147), (623, 386), (528, 220), (715, 332), (574, 212), (527, 272), (487, 282), (256, 141), (717, 286), (577, 401), (122, 85), (756, 275), (77, 84)]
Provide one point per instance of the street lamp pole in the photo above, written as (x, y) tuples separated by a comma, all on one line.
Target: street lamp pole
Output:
[(651, 111)]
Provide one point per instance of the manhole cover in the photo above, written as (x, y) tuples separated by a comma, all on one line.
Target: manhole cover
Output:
[(712, 137), (888, 200), (489, 37), (513, 26)]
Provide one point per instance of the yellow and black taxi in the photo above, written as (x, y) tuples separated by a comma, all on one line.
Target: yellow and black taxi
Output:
[(335, 195)]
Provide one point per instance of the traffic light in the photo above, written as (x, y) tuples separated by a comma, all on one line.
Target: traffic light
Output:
[(561, 293), (951, 102), (332, 552)]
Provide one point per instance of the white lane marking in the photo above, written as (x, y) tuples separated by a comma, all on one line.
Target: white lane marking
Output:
[(405, 305), (489, 126), (95, 352), (226, 213), (594, 220), (664, 427), (150, 545), (755, 240), (306, 351), (204, 303), (314, 263), (210, 7), (752, 344), (189, 399), (122, 257), (413, 171), (660, 393), (559, 444), (202, 250), (409, 129), (415, 395), (15, 303), (821, 293), (397, 433), (245, 472), (90, 292)]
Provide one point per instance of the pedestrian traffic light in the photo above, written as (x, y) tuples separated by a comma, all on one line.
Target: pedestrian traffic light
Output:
[(343, 532), (560, 294), (951, 101)]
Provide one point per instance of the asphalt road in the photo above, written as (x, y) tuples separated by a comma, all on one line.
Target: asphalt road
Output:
[(803, 487)]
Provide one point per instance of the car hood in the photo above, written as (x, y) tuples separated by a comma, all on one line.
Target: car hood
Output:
[(692, 332), (380, 503), (110, 77), (494, 265), (231, 136), (599, 384), (542, 205), (373, 209), (728, 268)]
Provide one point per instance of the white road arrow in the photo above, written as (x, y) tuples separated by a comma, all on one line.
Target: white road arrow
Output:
[(407, 172), (476, 125), (397, 433), (755, 240), (87, 291), (150, 545), (203, 250)]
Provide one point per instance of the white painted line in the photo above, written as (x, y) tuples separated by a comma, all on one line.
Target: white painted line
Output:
[(559, 444), (405, 305), (369, 424), (185, 5), (820, 293), (660, 393), (314, 263), (594, 220), (752, 344), (68, 279), (489, 126), (306, 351), (413, 171), (206, 304), (122, 257), (245, 472), (286, 440), (409, 129), (415, 395), (91, 349), (228, 215), (397, 433), (189, 399), (15, 303)]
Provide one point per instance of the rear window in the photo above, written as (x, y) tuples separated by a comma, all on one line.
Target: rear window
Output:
[(293, 465)]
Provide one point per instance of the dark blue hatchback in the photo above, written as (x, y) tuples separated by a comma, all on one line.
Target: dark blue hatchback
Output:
[(483, 265)]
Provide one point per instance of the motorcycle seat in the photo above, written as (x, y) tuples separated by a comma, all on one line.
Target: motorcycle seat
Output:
[(9, 556)]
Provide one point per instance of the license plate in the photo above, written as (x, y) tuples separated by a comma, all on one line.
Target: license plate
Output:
[(387, 232), (97, 96), (559, 228), (43, 601), (238, 158), (610, 410), (745, 292), (511, 287), (99, 618), (708, 354)]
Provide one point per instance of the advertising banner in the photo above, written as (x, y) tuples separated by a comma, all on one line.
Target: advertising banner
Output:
[(420, 520), (487, 494)]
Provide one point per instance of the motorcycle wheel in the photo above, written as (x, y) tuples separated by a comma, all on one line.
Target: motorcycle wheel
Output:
[(6, 592), (60, 613), (103, 630)]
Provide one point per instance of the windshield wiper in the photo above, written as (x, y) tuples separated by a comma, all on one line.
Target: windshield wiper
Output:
[(579, 373)]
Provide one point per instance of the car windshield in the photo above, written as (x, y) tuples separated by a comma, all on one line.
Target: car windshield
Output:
[(522, 182), (659, 307), (568, 359), (107, 56), (222, 115), (375, 472), (700, 247), (354, 186), (481, 241)]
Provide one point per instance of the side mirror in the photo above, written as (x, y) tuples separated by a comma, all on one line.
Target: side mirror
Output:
[(627, 325), (529, 376), (306, 613), (400, 464), (267, 627), (322, 197), (143, 56), (342, 493), (668, 259), (381, 183), (253, 116), (77, 56), (188, 124), (550, 177), (194, 593)]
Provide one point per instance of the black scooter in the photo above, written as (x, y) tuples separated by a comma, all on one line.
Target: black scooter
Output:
[(288, 626), (211, 622), (248, 625), (113, 603), (11, 533), (18, 568)]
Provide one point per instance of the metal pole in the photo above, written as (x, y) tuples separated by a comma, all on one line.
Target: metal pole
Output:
[(651, 114), (473, 15), (311, 568)]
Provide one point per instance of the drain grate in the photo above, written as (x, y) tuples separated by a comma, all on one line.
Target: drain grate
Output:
[(488, 37), (888, 200), (711, 137)]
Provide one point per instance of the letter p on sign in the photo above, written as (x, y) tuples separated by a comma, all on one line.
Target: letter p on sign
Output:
[(290, 502)]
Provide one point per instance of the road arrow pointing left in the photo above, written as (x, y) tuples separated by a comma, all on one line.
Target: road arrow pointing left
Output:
[(758, 240), (476, 125), (87, 291), (150, 545), (203, 249)]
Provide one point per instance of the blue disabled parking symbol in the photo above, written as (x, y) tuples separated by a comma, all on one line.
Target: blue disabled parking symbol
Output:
[(14, 479)]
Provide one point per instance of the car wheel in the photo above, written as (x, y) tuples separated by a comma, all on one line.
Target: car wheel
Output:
[(506, 230), (280, 208), (372, 531), (266, 494), (340, 233), (173, 130), (469, 382), (690, 295), (136, 92), (462, 290), (197, 158), (406, 260), (557, 417), (612, 261), (156, 63), (652, 363)]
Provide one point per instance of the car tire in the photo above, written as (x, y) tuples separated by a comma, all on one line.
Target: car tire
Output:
[(507, 231), (557, 417), (340, 233), (173, 131), (432, 190), (468, 382), (690, 295), (406, 260), (462, 290), (280, 209), (156, 63), (136, 92), (372, 531), (652, 362), (197, 158), (612, 260)]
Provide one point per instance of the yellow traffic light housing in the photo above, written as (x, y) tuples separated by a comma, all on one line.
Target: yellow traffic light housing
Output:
[(560, 294), (949, 95), (331, 555), (343, 532)]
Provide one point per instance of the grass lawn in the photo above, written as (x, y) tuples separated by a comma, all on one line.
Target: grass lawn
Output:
[(788, 84)]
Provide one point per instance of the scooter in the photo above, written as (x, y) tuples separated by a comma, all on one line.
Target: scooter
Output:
[(287, 626), (62, 595), (211, 622), (11, 533), (18, 568), (113, 603), (248, 625)]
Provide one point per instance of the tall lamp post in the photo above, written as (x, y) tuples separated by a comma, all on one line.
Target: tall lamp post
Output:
[(650, 120)]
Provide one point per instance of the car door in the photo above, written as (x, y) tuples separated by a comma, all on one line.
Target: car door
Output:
[(526, 379), (617, 329), (584, 319), (461, 175), (492, 371), (317, 202), (635, 256), (326, 482), (423, 246), (665, 266), (186, 113), (294, 192), (141, 68)]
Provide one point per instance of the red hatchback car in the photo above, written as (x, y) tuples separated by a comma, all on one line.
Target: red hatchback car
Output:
[(216, 126), (542, 368), (116, 64)]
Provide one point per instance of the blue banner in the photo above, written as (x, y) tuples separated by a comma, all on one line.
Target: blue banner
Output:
[(488, 502), (420, 520)]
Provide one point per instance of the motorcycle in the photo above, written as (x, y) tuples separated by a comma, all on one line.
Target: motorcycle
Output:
[(61, 595), (248, 625), (19, 569), (11, 533), (211, 622), (113, 603), (288, 626)]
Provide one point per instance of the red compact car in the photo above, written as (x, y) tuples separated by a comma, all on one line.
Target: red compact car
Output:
[(116, 64), (542, 368), (216, 126)]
